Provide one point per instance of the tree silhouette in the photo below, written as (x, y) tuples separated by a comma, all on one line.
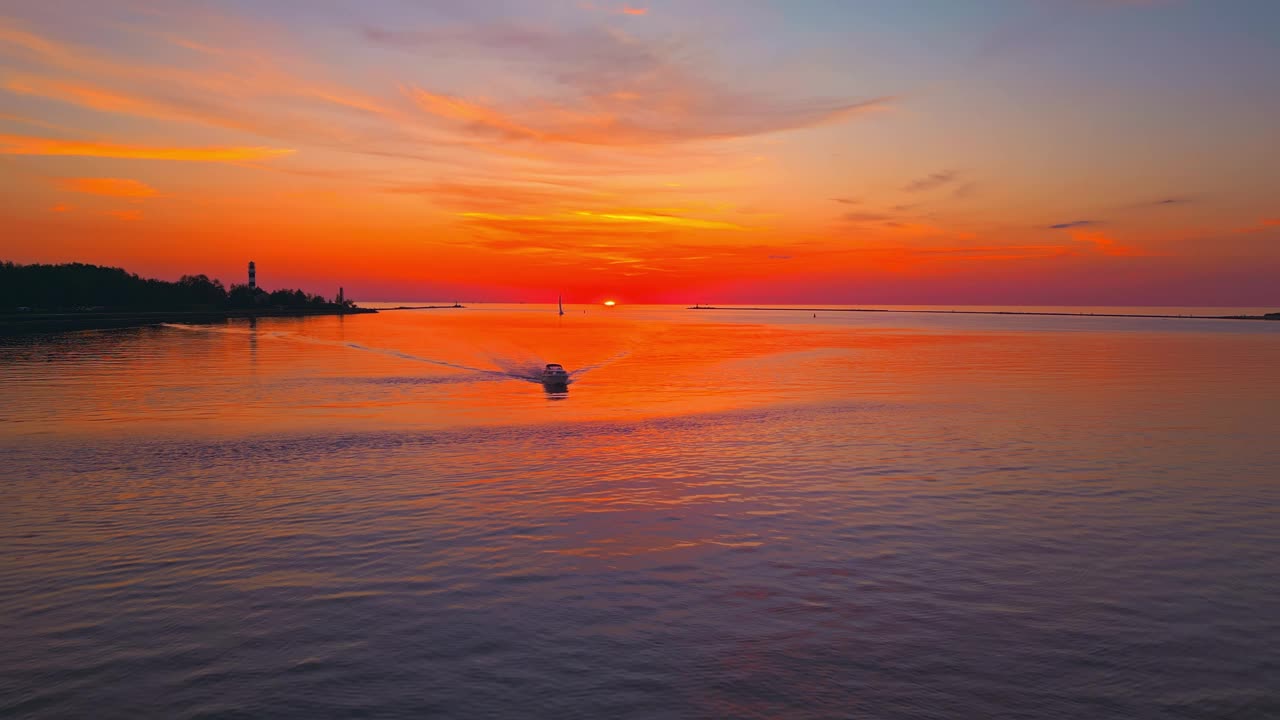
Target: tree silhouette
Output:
[(77, 286)]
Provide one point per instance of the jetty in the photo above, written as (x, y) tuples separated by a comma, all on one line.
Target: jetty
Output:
[(425, 307)]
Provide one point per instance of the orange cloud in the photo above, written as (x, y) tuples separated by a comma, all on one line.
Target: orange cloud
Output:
[(61, 208), (1262, 226), (86, 96), (463, 196), (1105, 244), (26, 145), (36, 123), (628, 93), (33, 44), (472, 114), (586, 218), (658, 219), (617, 118), (110, 187), (205, 110), (214, 96), (635, 11), (908, 257), (347, 100)]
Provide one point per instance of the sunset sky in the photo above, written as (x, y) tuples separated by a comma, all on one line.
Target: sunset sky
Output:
[(837, 151)]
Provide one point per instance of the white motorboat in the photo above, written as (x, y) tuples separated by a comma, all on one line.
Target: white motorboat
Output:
[(554, 374)]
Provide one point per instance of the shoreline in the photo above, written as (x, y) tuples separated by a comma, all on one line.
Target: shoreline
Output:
[(1268, 316), (36, 323)]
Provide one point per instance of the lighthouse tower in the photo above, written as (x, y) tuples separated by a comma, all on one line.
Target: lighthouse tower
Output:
[(253, 276)]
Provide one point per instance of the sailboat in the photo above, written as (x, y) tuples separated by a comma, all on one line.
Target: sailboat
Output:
[(554, 376)]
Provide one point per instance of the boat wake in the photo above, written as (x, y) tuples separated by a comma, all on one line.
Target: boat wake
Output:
[(527, 369), (531, 369), (294, 337), (596, 366)]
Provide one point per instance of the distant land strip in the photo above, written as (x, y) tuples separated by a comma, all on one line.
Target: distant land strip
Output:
[(1268, 316)]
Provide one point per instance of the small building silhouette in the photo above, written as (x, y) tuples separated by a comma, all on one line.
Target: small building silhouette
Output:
[(253, 275)]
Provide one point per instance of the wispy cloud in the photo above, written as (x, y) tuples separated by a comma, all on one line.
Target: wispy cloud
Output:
[(34, 122), (628, 10), (26, 145), (1161, 202), (988, 252), (619, 120), (867, 217), (613, 90), (109, 187), (932, 181), (1105, 244), (902, 257), (1263, 225), (474, 116), (660, 219), (495, 196), (234, 88), (94, 98), (614, 217), (1073, 224)]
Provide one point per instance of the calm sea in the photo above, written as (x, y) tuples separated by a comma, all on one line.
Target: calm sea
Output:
[(728, 514)]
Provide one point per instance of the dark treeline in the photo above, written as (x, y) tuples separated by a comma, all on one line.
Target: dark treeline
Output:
[(76, 286)]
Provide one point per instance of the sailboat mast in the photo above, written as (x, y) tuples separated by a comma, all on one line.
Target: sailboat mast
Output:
[(560, 301)]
